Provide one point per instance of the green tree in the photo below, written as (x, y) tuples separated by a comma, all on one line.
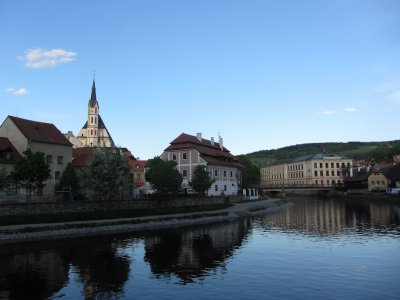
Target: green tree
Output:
[(251, 174), (201, 180), (163, 176), (31, 171), (69, 181), (109, 175), (4, 179)]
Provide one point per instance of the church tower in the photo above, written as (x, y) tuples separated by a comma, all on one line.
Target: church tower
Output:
[(94, 133), (93, 119)]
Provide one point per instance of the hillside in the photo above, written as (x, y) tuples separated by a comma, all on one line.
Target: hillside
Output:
[(375, 151)]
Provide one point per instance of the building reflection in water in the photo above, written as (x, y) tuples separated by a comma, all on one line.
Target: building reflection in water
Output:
[(194, 252), (40, 270), (28, 271), (334, 216), (103, 265)]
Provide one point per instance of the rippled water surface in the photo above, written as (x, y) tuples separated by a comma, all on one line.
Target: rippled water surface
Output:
[(320, 248)]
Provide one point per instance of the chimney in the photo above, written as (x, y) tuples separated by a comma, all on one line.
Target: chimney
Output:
[(221, 143), (212, 141), (198, 135)]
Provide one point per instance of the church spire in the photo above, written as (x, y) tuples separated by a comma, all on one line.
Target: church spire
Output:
[(93, 99)]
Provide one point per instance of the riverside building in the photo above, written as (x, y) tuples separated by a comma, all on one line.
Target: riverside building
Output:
[(315, 169), (189, 151)]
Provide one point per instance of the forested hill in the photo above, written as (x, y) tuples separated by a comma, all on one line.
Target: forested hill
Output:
[(376, 151)]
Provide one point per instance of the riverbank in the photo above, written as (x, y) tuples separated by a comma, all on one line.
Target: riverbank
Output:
[(34, 232)]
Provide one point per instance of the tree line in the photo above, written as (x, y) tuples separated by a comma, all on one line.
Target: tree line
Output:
[(109, 177), (373, 151)]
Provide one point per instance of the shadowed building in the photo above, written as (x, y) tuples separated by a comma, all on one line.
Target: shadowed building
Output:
[(40, 137)]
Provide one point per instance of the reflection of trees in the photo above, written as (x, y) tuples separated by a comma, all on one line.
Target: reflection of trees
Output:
[(331, 216), (189, 253), (42, 273), (102, 270), (27, 272)]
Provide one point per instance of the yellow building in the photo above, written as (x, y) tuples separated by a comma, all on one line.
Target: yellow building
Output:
[(316, 169), (377, 181), (40, 137)]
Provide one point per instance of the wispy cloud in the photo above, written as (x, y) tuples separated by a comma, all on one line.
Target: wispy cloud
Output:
[(328, 112), (395, 95), (38, 58), (18, 92), (349, 109), (387, 87)]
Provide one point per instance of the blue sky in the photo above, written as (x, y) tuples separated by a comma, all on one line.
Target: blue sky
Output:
[(265, 74)]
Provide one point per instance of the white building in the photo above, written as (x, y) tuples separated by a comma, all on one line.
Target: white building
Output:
[(189, 151)]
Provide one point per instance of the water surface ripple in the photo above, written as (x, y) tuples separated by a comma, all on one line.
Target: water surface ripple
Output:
[(320, 248)]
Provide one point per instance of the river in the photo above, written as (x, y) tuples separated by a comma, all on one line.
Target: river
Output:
[(320, 248)]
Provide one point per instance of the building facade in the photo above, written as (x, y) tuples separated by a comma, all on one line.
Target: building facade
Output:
[(94, 133), (317, 169), (40, 137), (190, 151), (377, 181)]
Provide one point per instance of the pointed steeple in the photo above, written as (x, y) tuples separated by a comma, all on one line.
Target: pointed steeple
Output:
[(93, 99)]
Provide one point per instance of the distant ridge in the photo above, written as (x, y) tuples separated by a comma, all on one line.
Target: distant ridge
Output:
[(374, 151)]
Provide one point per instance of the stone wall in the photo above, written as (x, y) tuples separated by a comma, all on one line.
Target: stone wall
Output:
[(90, 206)]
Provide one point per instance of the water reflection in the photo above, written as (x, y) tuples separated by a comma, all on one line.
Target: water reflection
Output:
[(39, 270), (30, 273), (131, 265), (334, 216), (43, 268), (193, 252)]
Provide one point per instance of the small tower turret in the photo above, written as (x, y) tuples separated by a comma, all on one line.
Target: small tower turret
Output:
[(93, 119)]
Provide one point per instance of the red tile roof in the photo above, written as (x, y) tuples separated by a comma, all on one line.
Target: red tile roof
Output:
[(209, 152), (7, 146), (82, 157), (40, 132), (138, 165)]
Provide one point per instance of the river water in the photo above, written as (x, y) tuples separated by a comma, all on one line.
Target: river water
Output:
[(320, 248)]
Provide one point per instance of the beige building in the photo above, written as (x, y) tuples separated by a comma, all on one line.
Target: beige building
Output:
[(377, 181), (316, 169), (94, 133), (40, 137)]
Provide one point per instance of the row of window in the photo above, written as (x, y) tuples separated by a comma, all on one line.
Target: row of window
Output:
[(301, 175), (294, 182), (216, 188), (184, 173), (321, 165), (321, 173), (295, 167), (184, 156), (378, 182), (60, 159)]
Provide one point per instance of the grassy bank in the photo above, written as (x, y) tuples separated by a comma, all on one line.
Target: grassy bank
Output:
[(104, 215)]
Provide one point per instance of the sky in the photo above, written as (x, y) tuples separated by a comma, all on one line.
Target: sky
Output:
[(262, 74)]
